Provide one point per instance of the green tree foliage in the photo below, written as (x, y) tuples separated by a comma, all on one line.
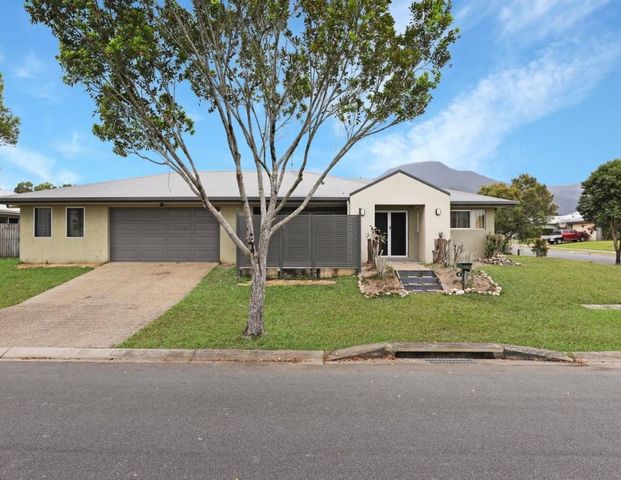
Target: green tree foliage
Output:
[(600, 201), (23, 187), (528, 218), (9, 123), (275, 73), (27, 187)]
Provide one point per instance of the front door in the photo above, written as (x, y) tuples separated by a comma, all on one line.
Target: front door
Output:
[(394, 226)]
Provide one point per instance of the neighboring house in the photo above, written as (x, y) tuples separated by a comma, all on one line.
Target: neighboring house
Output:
[(574, 221), (157, 218), (8, 215)]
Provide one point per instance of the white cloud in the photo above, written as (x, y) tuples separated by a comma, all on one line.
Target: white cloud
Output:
[(72, 147), (472, 127), (31, 67), (32, 165), (526, 20), (538, 18)]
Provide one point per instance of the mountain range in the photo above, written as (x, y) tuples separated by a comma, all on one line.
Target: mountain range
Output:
[(437, 173)]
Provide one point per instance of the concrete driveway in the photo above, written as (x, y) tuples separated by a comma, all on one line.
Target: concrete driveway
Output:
[(100, 308)]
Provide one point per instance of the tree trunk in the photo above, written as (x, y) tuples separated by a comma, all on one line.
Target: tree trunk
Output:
[(616, 243), (255, 326)]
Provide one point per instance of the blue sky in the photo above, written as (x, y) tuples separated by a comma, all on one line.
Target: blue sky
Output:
[(534, 87)]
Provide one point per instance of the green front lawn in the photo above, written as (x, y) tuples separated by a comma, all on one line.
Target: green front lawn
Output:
[(539, 306), (17, 285), (600, 245)]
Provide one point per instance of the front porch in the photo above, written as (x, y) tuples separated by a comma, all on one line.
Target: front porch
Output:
[(410, 212)]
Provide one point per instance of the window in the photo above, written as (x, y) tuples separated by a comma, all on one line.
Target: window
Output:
[(75, 222), (468, 219), (460, 219), (42, 222), (478, 219)]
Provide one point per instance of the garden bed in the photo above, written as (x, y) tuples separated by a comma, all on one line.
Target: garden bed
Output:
[(372, 285)]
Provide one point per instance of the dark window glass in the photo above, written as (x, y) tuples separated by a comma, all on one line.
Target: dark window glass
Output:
[(43, 222), (75, 222), (460, 219)]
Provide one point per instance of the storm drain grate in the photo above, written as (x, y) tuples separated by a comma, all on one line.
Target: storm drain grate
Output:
[(452, 361)]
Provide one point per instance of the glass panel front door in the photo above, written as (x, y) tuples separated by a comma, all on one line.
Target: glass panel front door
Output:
[(394, 226), (398, 234), (381, 223)]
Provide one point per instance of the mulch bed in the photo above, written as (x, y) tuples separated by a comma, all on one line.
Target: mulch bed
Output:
[(478, 282), (371, 285)]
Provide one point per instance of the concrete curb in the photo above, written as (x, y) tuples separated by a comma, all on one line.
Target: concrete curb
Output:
[(516, 352), (147, 355), (378, 351), (598, 358)]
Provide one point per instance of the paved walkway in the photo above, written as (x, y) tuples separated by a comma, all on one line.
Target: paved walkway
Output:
[(100, 308)]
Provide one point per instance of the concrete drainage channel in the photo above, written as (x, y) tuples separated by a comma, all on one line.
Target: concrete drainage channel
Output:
[(457, 353)]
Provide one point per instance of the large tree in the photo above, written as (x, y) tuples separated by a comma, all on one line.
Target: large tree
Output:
[(536, 205), (600, 201), (9, 123), (274, 72)]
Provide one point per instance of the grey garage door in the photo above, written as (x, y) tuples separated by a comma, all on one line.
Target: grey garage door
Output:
[(163, 235)]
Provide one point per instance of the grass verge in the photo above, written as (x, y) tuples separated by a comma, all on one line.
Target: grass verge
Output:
[(597, 245), (17, 285), (539, 307)]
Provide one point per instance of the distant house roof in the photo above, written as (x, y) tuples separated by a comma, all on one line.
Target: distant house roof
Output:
[(221, 186), (4, 209), (566, 219)]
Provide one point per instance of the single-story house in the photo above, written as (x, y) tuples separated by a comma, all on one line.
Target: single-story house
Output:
[(574, 221), (158, 218), (7, 214)]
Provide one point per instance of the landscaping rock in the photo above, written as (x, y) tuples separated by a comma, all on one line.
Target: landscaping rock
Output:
[(498, 259)]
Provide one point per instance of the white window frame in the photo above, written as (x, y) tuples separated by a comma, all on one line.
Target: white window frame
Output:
[(34, 222), (389, 233), (67, 222), (472, 218)]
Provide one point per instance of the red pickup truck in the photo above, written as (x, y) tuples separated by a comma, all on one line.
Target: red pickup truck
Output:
[(562, 236)]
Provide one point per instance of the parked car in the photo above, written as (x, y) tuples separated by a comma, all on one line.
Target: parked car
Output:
[(562, 236)]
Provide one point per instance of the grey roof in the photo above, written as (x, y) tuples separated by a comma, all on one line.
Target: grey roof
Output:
[(467, 198), (219, 185)]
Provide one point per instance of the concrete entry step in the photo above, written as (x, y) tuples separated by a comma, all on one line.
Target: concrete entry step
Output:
[(419, 281)]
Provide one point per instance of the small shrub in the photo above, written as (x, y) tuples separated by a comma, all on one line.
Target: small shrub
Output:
[(540, 247), (496, 244)]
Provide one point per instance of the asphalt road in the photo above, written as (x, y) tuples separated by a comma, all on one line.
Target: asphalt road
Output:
[(227, 421), (603, 258)]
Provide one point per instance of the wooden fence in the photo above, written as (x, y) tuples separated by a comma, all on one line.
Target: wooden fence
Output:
[(9, 240)]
